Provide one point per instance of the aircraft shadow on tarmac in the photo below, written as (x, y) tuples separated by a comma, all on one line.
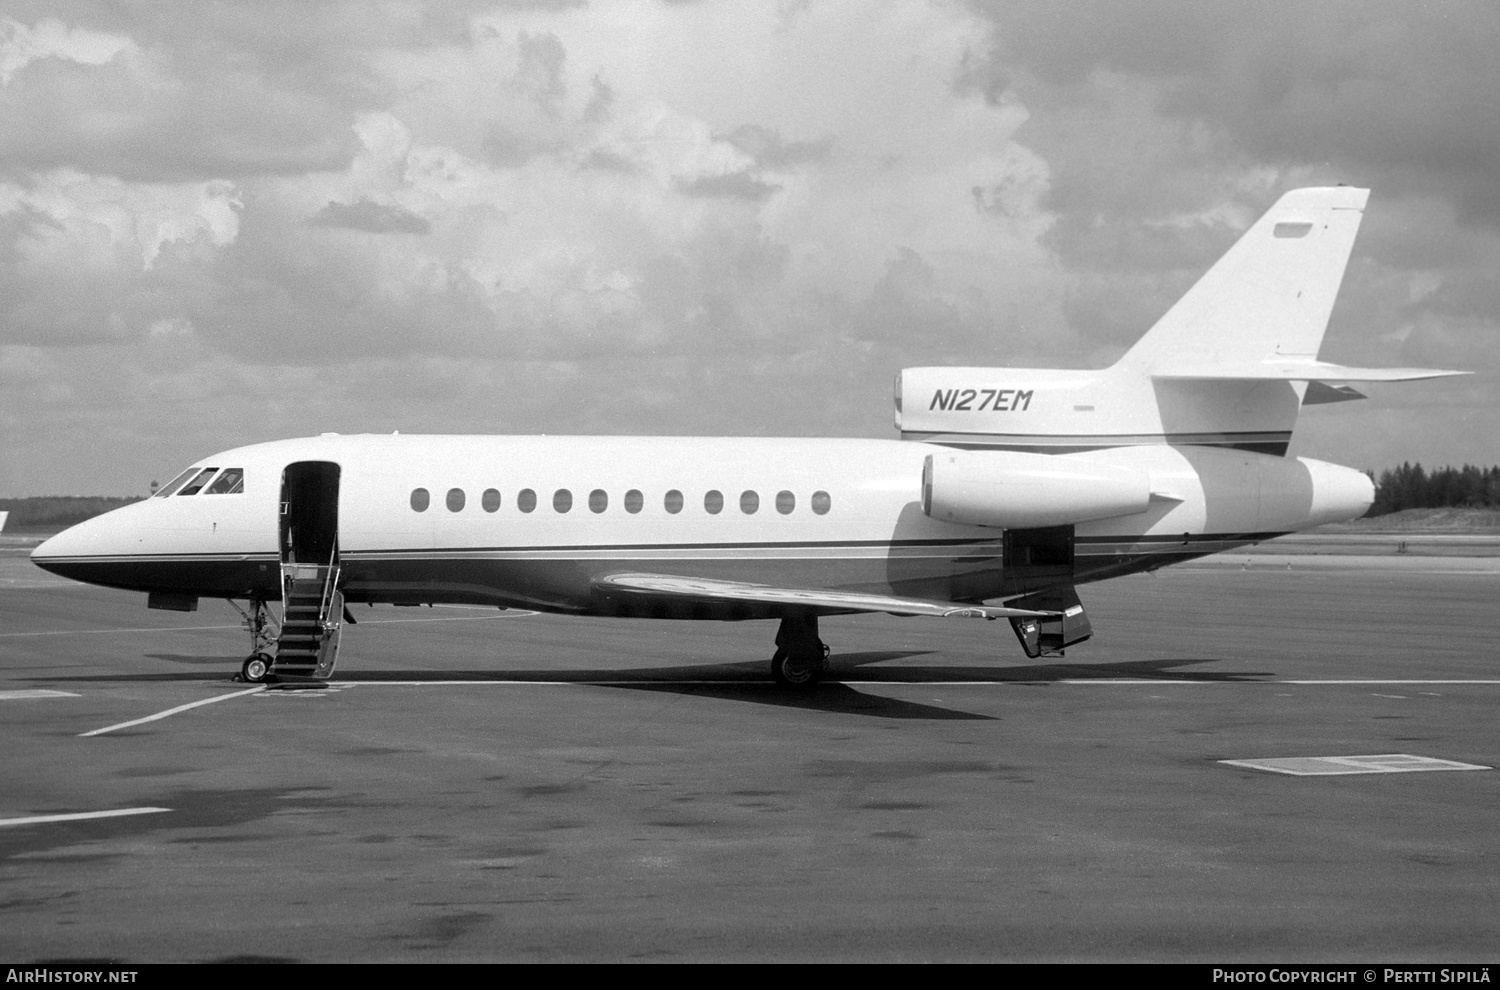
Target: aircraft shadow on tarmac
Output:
[(747, 682)]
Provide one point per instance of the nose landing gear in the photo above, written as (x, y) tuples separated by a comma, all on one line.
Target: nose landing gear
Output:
[(264, 631)]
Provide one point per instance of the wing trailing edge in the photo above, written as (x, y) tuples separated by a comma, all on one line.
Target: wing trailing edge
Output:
[(691, 589)]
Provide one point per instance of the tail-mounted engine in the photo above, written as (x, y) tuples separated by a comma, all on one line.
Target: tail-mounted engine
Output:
[(1015, 490)]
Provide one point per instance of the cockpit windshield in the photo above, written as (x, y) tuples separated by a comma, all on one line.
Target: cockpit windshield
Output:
[(196, 485), (230, 482), (176, 483), (195, 480)]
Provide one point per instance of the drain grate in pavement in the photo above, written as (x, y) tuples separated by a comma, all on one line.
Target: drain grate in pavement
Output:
[(1317, 766)]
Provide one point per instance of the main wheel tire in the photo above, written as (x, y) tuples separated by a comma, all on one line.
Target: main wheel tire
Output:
[(800, 672), (256, 669)]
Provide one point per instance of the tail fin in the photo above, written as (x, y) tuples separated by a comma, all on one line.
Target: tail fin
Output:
[(1267, 299), (1229, 366)]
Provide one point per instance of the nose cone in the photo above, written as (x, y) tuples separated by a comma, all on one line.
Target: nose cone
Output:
[(61, 554), (90, 550)]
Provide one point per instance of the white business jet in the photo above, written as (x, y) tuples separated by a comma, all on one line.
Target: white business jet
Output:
[(1007, 489)]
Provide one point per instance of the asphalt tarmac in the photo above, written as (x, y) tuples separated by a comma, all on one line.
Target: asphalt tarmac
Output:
[(497, 786)]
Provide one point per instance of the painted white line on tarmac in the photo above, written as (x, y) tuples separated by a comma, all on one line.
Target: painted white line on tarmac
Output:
[(1472, 681), (510, 613), (1107, 682), (528, 683), (1122, 681), (95, 632), (725, 682), (173, 711), (81, 816), (35, 693)]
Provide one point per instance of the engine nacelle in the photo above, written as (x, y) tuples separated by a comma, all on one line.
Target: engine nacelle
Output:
[(1015, 490)]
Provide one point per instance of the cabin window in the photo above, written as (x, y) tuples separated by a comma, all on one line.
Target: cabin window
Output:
[(176, 482), (490, 500), (231, 482), (672, 501), (526, 500), (821, 503), (192, 487), (634, 500), (562, 500), (713, 502), (420, 499), (455, 499), (749, 502), (785, 503), (598, 500)]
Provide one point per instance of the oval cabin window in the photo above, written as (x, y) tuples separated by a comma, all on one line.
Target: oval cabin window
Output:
[(490, 500), (713, 502), (420, 499), (455, 499), (821, 503), (562, 500), (598, 500), (749, 503), (785, 503), (672, 501), (526, 500), (634, 500)]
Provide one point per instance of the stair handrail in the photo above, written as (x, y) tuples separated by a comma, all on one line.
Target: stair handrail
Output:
[(330, 580)]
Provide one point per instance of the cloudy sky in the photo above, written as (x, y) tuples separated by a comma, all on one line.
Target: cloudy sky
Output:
[(238, 221)]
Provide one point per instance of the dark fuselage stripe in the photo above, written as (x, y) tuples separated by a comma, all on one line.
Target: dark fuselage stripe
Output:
[(1090, 545)]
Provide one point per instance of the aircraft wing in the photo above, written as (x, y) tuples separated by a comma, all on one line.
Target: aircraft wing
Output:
[(692, 589)]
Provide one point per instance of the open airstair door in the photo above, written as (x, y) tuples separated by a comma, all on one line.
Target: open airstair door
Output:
[(312, 602)]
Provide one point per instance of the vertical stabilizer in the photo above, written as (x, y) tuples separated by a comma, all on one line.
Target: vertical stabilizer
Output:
[(1230, 365), (1267, 299)]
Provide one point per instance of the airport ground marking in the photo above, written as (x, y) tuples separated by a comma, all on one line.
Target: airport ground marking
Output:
[(95, 632), (173, 711), (726, 681), (28, 694), (80, 816), (1124, 681), (507, 614), (1324, 766)]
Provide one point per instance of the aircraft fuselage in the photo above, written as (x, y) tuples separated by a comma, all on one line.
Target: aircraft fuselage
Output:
[(534, 521)]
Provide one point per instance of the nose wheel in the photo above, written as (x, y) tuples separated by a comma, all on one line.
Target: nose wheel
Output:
[(256, 669)]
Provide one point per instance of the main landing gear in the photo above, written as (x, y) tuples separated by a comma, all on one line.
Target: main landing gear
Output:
[(263, 631), (801, 657)]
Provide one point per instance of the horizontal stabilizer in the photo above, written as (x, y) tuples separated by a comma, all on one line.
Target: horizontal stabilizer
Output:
[(691, 589), (1301, 371), (1321, 394)]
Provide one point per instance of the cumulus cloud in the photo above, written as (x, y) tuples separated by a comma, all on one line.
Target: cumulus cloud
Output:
[(371, 217), (551, 216), (21, 45)]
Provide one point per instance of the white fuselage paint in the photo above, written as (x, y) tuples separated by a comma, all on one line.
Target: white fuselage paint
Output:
[(874, 535)]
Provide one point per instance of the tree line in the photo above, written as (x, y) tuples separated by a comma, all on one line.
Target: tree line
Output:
[(1412, 487), (54, 512)]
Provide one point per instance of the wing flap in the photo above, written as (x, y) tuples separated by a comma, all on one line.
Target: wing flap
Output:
[(679, 588)]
